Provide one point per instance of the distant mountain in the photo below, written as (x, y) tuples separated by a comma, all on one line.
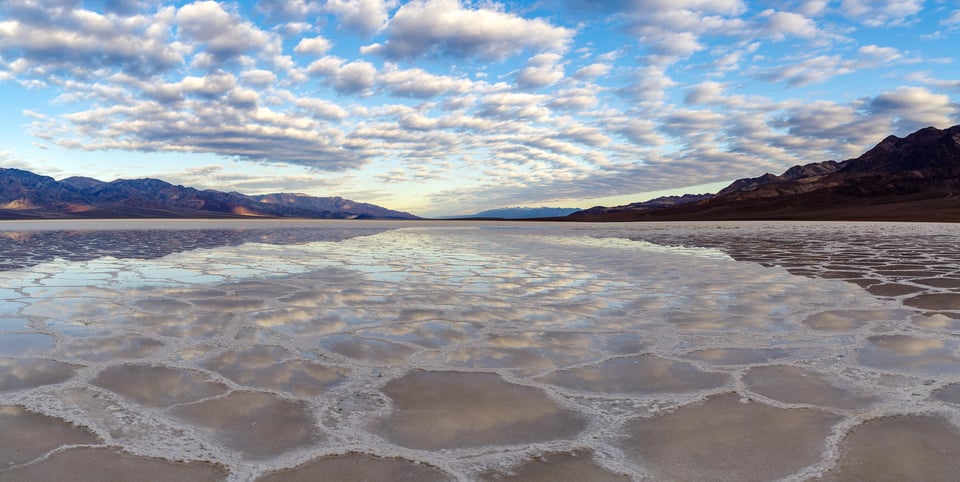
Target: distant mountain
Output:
[(916, 178), (522, 213), (651, 205), (25, 195)]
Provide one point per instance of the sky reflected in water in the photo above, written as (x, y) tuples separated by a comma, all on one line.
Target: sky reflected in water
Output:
[(477, 351)]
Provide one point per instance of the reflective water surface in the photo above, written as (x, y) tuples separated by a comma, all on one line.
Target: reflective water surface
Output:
[(298, 350)]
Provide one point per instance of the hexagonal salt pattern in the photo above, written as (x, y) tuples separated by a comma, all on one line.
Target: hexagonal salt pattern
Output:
[(294, 350)]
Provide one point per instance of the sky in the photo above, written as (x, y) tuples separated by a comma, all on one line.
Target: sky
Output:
[(445, 107)]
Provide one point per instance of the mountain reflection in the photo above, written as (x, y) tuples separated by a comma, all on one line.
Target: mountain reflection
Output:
[(22, 249), (889, 260)]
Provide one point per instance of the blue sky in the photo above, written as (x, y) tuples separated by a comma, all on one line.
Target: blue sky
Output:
[(450, 107)]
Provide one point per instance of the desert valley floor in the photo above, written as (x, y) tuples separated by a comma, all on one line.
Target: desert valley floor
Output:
[(298, 350)]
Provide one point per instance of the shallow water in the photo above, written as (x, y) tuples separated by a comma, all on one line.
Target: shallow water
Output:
[(286, 350)]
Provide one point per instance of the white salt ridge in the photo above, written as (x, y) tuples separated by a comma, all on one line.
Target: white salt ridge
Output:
[(591, 332)]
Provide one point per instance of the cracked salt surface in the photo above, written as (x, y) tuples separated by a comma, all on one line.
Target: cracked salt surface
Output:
[(290, 350)]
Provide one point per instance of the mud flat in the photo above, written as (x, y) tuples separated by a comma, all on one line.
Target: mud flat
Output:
[(479, 351)]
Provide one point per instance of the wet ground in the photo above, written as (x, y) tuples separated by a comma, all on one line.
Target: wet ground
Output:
[(479, 351)]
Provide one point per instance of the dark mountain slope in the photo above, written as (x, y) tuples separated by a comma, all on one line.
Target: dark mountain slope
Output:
[(26, 195), (916, 178)]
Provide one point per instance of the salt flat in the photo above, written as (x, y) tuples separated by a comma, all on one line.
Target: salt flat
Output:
[(479, 351)]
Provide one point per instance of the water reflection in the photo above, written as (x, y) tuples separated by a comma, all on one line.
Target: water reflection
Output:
[(25, 248), (484, 352), (916, 263)]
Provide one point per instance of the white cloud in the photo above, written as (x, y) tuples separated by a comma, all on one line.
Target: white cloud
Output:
[(225, 34), (780, 25), (575, 99), (953, 19), (243, 98), (571, 121), (223, 127), (915, 107), (879, 54), (322, 109), (705, 93), (673, 29), (128, 7), (446, 27), (881, 12), (808, 71), (315, 46), (541, 70), (677, 44), (650, 84), (420, 83), (73, 40), (258, 77), (287, 9), (926, 78), (640, 132), (593, 71), (812, 8), (346, 77), (590, 136), (514, 106), (365, 16), (212, 86)]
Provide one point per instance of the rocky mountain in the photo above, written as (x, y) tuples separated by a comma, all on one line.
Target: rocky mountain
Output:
[(521, 213), (915, 178), (645, 206), (25, 195), (794, 173)]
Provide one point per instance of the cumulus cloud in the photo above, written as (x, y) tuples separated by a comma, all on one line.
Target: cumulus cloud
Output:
[(364, 16), (212, 86), (811, 8), (650, 84), (236, 177), (314, 45), (541, 70), (808, 71), (258, 77), (287, 10), (507, 100), (877, 13), (446, 27), (638, 131), (780, 25), (345, 77), (915, 107), (420, 83), (47, 40), (829, 127), (705, 93), (222, 127), (673, 29), (225, 34), (509, 105), (879, 54), (575, 99), (593, 71), (953, 19), (926, 78), (322, 109), (128, 7), (824, 67)]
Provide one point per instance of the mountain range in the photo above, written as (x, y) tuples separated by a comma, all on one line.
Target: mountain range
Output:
[(519, 213), (915, 178), (25, 195)]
